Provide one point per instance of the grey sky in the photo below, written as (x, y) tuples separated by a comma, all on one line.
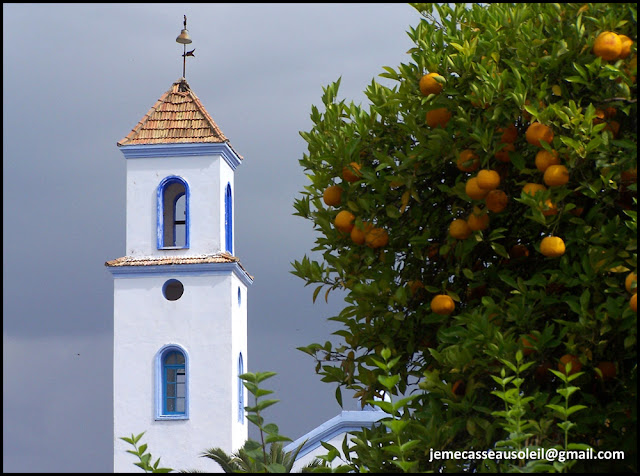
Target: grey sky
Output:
[(76, 79)]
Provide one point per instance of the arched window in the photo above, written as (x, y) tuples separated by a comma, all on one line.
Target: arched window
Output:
[(228, 220), (240, 390), (172, 384), (173, 213)]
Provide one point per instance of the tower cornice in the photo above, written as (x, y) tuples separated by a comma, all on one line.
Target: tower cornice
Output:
[(224, 263), (182, 150)]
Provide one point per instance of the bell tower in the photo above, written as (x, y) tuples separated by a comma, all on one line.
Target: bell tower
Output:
[(180, 294)]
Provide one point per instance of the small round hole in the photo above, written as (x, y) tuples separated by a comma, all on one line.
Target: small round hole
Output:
[(172, 290)]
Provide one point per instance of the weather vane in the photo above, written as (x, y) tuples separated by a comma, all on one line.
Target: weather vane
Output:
[(185, 39)]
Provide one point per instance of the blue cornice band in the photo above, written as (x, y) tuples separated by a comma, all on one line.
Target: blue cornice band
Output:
[(182, 150), (189, 269)]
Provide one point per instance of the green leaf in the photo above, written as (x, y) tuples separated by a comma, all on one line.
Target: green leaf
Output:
[(276, 468), (315, 293), (389, 382), (339, 396), (271, 428), (276, 438), (498, 248), (396, 426), (575, 408)]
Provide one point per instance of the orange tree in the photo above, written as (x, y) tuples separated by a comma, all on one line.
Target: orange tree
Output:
[(543, 264)]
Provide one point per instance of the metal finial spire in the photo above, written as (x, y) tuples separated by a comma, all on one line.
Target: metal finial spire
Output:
[(185, 39)]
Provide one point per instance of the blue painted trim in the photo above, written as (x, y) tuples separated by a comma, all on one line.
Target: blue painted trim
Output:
[(345, 422), (228, 218), (240, 390), (159, 380), (171, 179), (182, 150), (194, 269)]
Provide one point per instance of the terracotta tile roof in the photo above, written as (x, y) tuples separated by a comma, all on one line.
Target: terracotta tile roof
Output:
[(178, 117), (164, 260)]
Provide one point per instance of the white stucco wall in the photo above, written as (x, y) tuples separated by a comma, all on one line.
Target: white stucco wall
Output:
[(210, 325), (207, 177)]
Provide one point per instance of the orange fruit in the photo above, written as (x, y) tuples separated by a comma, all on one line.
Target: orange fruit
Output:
[(552, 246), (458, 388), (503, 154), (577, 211), (527, 344), (509, 134), (351, 172), (607, 370), (628, 282), (575, 364), (600, 116), (556, 175), (537, 132), (478, 219), (633, 303), (488, 179), (496, 201), (442, 304), (438, 117), (549, 208), (459, 229), (376, 238), (518, 251), (607, 46), (610, 112), (544, 159), (415, 286), (629, 176), (473, 190), (533, 188), (344, 221), (625, 46), (332, 195), (541, 373), (358, 234), (614, 127), (468, 161), (429, 85)]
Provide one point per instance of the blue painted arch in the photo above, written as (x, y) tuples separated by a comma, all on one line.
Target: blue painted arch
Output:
[(171, 393), (170, 190), (228, 219)]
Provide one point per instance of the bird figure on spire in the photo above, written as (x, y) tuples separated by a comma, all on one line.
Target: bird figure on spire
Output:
[(190, 53)]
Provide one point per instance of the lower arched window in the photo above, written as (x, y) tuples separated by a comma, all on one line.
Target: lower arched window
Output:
[(172, 384)]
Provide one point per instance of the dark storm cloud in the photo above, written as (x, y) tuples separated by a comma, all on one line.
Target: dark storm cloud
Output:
[(76, 79)]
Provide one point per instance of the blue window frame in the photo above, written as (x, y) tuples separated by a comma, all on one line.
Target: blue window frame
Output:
[(228, 219), (172, 385), (173, 213), (240, 390)]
